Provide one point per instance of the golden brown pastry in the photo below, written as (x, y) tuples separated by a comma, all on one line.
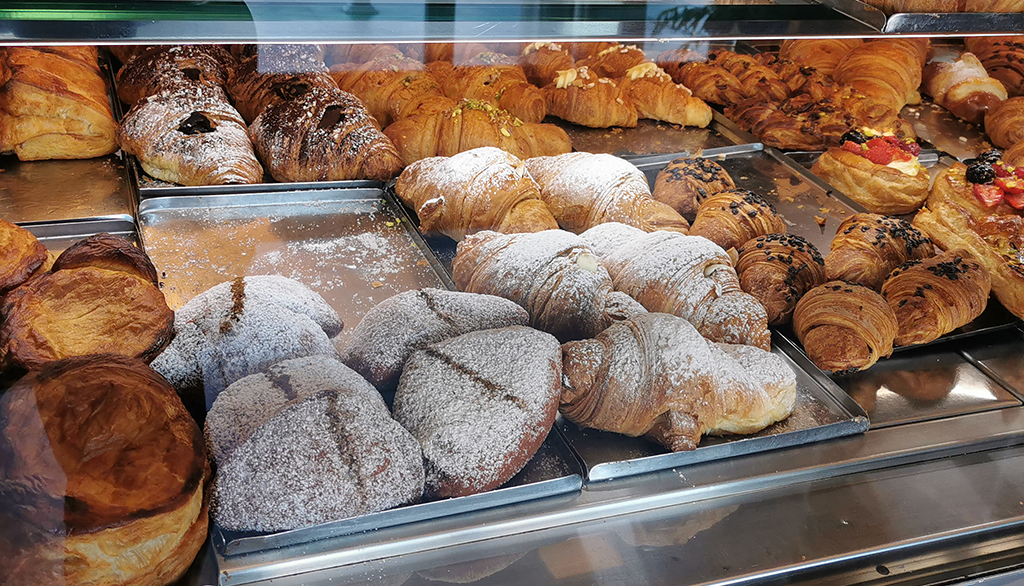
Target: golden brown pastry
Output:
[(580, 97), (360, 53), (541, 62), (981, 197), (392, 88), (685, 183), (323, 135), (54, 104), (502, 86), (654, 375), (583, 190), (170, 69), (584, 49), (867, 247), (995, 241), (1004, 123), (963, 87), (471, 124), (949, 5), (480, 189), (108, 251), (888, 70), (821, 54), (276, 76), (844, 327), (613, 61), (756, 80), (1003, 58), (685, 276), (553, 275), (886, 180), (102, 476), (708, 81), (730, 218), (778, 269), (20, 255), (937, 295), (190, 138), (1015, 155), (657, 97)]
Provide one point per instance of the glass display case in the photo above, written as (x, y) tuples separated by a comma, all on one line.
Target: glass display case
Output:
[(910, 472)]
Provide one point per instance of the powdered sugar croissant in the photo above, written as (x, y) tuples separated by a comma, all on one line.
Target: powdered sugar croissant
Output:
[(654, 375)]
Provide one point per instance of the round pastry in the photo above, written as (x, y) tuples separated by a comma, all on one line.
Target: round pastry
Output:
[(103, 468), (867, 247), (733, 217), (844, 327), (84, 310), (480, 405), (882, 174), (988, 186), (21, 253), (685, 183), (934, 296), (778, 269), (382, 341), (108, 251)]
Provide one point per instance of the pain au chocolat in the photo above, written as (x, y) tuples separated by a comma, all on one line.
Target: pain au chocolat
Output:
[(101, 476)]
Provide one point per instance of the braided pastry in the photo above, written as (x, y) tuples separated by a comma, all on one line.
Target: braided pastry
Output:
[(707, 81), (937, 295), (867, 247), (821, 54), (580, 97), (844, 327), (165, 69), (1004, 123), (730, 218), (323, 135), (778, 269), (1003, 58), (685, 183), (756, 80)]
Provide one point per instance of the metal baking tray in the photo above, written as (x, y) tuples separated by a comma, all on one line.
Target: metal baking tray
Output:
[(822, 412), (57, 236), (352, 246), (1001, 356), (553, 470), (651, 137), (947, 133)]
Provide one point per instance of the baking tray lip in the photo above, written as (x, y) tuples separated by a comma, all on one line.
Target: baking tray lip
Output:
[(81, 228), (646, 161), (267, 198), (146, 193)]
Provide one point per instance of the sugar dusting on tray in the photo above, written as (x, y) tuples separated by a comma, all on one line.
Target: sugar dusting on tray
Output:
[(355, 256)]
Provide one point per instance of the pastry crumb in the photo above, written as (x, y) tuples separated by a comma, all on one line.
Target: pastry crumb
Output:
[(422, 262), (376, 284), (821, 221)]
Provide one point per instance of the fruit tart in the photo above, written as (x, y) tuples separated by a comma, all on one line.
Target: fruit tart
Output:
[(877, 170), (984, 186)]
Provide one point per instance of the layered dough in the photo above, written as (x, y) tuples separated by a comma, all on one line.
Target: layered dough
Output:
[(879, 188)]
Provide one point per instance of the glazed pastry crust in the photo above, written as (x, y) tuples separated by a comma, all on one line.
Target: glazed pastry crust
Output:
[(21, 254), (867, 247), (951, 186), (730, 218), (879, 188), (685, 183), (778, 269)]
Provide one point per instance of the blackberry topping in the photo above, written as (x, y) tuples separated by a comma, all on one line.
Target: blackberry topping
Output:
[(980, 173), (853, 136), (990, 157)]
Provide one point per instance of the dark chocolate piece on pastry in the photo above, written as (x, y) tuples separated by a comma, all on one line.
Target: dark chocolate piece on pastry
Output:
[(730, 218), (778, 269), (867, 247), (169, 69), (481, 405)]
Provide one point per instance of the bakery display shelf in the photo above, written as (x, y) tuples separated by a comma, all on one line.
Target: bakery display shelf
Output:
[(944, 23), (944, 131), (57, 236), (353, 247), (552, 471), (822, 412), (1001, 356), (651, 137)]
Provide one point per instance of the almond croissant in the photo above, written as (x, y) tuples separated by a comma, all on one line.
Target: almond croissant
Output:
[(657, 97), (581, 97), (501, 86), (654, 375), (480, 189)]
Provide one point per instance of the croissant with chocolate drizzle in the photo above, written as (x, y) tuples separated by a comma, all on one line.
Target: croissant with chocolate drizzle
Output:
[(685, 183), (732, 217), (867, 247), (778, 269)]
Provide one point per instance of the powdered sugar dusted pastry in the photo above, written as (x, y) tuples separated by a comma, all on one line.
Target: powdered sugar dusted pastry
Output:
[(687, 276), (169, 69), (331, 455), (323, 135), (480, 405), (241, 327), (249, 402), (382, 341), (190, 139), (552, 274)]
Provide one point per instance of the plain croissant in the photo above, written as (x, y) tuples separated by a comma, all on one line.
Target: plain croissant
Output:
[(654, 375)]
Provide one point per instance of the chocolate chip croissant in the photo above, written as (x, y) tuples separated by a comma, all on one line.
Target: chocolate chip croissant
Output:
[(323, 135), (934, 296), (730, 218), (778, 269), (190, 139), (867, 247), (685, 183)]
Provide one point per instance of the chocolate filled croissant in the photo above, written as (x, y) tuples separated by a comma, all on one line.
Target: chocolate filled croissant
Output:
[(190, 139), (583, 190), (867, 247), (392, 88), (685, 183), (844, 327), (756, 80), (730, 218), (937, 295), (778, 269), (581, 97), (654, 375), (480, 189), (323, 136), (275, 76), (553, 275), (655, 96), (170, 69), (682, 275)]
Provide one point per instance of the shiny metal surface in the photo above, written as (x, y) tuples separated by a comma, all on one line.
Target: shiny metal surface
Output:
[(955, 24), (348, 245), (54, 191), (817, 416), (1000, 356), (945, 131), (649, 137), (57, 236)]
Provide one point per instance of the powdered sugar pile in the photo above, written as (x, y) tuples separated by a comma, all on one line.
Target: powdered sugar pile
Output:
[(480, 405)]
